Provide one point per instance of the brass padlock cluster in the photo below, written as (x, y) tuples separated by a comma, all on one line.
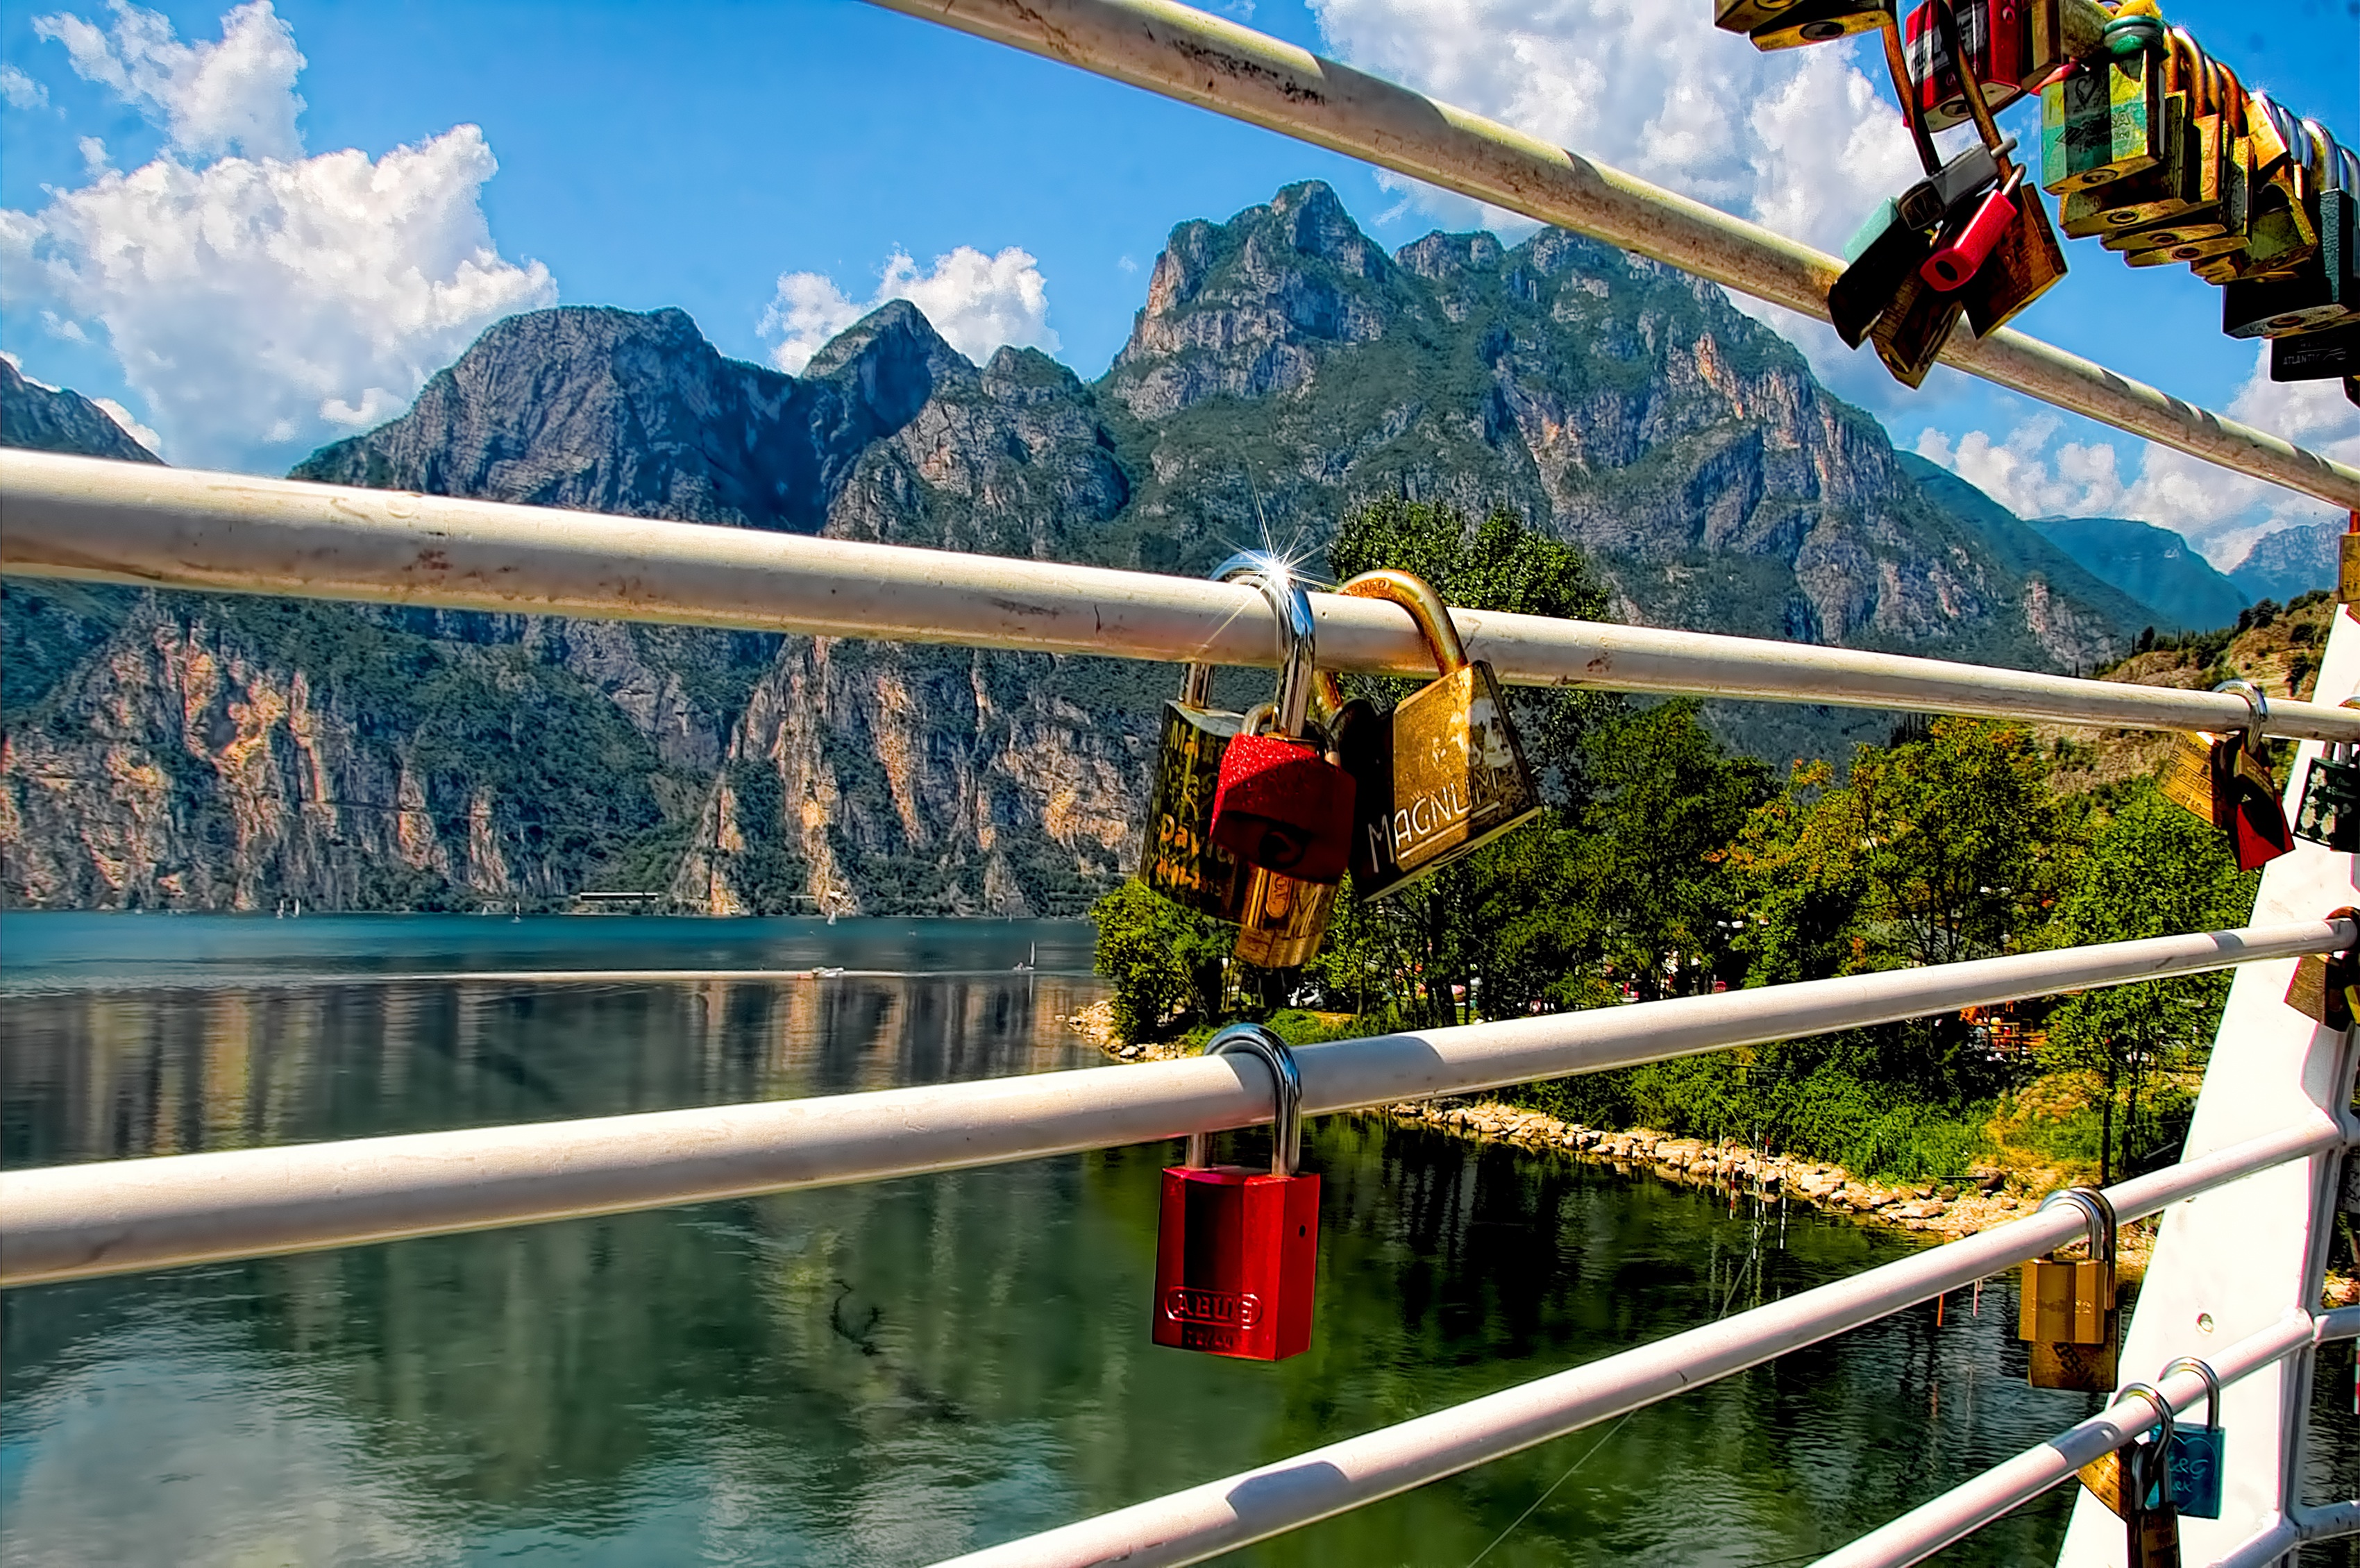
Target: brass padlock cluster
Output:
[(2221, 778), (1259, 828), (2066, 1310), (2148, 143)]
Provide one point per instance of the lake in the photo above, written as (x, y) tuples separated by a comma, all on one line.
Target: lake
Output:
[(877, 1375)]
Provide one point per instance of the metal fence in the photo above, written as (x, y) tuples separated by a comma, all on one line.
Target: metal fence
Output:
[(2246, 1210)]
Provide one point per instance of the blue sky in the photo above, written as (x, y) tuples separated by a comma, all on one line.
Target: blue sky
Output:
[(239, 290)]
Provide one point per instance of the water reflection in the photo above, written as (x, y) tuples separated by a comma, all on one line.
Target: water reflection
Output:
[(889, 1373)]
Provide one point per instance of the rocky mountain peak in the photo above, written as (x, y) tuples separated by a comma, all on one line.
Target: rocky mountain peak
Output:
[(51, 418)]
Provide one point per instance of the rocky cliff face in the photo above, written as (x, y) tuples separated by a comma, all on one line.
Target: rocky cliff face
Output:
[(170, 750)]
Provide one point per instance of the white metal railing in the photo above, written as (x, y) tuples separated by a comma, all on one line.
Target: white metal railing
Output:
[(138, 523), (73, 1221), (1253, 1505), (1217, 64), (1962, 1510)]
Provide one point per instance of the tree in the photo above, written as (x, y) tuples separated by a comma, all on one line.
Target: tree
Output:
[(2153, 869), (1168, 965), (1667, 802)]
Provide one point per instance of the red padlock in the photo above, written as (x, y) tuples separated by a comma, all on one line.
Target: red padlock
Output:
[(2258, 830), (1237, 1252), (1956, 261), (1281, 802)]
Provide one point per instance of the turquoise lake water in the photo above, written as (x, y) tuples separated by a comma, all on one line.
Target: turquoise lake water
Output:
[(881, 1375)]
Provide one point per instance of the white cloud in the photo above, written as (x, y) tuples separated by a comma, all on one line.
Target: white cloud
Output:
[(237, 95), (19, 90), (258, 300), (977, 302), (2219, 511), (131, 426), (1797, 140)]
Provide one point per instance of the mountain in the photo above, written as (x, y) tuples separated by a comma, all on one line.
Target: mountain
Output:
[(2024, 547), (211, 752), (2153, 564), (2289, 562), (49, 418)]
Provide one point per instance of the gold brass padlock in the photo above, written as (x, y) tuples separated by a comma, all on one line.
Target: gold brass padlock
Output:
[(1179, 858), (1443, 774), (2326, 985), (2197, 774), (2347, 563), (2066, 1310), (2103, 1477)]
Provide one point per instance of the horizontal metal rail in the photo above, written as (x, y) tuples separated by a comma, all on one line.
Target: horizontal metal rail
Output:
[(1234, 70), (2329, 1521), (1220, 1516), (1960, 1513), (73, 1221), (91, 520)]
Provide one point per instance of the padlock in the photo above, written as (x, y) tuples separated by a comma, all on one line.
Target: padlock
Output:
[(2066, 1310), (2104, 1477), (1996, 35), (1283, 919), (1746, 15), (1180, 859), (2320, 291), (2150, 1524), (2325, 986), (1962, 254), (2102, 121), (1820, 22), (2330, 808), (2282, 229), (2221, 779), (2324, 355), (1237, 1250), (2197, 1453), (1443, 774), (2347, 563), (2258, 830), (2176, 185), (1872, 284), (1279, 802), (1909, 336), (2026, 263)]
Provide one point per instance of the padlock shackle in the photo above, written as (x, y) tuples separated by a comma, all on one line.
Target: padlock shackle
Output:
[(2258, 702), (2212, 1386), (1286, 1082), (1425, 606), (1298, 643), (1905, 87), (2097, 1211), (2144, 1459), (2182, 52)]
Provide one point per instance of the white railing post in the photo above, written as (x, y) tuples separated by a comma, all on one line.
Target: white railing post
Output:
[(2230, 1262)]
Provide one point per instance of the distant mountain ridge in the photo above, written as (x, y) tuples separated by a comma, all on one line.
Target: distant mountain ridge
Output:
[(2153, 564), (198, 752), (2290, 561)]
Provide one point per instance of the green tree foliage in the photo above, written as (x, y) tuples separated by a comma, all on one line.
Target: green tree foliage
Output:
[(2152, 870), (1166, 964)]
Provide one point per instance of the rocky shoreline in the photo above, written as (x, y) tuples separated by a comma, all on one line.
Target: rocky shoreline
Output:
[(1946, 1210)]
